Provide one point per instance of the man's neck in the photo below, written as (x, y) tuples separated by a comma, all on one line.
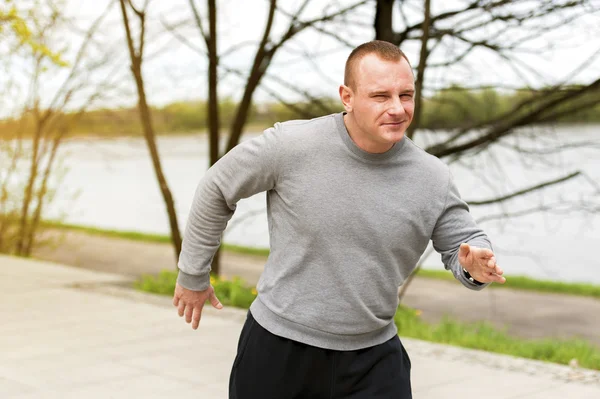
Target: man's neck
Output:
[(359, 137)]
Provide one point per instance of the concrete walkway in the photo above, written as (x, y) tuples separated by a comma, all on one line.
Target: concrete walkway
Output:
[(73, 333)]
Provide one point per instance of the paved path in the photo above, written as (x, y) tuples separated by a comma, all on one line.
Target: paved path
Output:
[(73, 333)]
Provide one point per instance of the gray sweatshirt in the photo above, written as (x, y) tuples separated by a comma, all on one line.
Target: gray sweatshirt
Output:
[(346, 228)]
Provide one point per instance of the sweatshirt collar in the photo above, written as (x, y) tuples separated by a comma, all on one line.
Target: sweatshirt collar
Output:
[(368, 156)]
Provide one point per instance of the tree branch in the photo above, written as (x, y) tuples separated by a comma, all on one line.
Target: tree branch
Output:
[(183, 39), (139, 13), (502, 127), (198, 21), (421, 71), (80, 55), (524, 191), (132, 52)]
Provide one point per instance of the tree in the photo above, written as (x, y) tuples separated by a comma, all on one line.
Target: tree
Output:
[(265, 51), (42, 126), (502, 29), (11, 20), (136, 54)]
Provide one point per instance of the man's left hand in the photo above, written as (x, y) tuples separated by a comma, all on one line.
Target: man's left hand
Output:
[(480, 263)]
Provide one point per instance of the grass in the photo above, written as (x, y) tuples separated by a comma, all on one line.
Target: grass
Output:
[(481, 336), (130, 235), (230, 292), (486, 337), (146, 237), (513, 282), (527, 284)]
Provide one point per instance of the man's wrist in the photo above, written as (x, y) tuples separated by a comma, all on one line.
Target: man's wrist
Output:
[(193, 282), (470, 278)]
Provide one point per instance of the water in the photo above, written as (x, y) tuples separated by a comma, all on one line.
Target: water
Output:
[(118, 190)]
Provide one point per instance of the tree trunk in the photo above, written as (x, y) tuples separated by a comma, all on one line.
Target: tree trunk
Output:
[(136, 68), (213, 97), (421, 71), (37, 214), (244, 107), (261, 62), (213, 103), (383, 21), (28, 195)]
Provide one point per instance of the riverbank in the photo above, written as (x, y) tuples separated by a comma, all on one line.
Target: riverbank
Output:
[(516, 282)]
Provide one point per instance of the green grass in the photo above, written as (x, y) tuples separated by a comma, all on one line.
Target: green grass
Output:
[(230, 292), (130, 235), (146, 237), (246, 250), (528, 284), (486, 337), (513, 282), (481, 336)]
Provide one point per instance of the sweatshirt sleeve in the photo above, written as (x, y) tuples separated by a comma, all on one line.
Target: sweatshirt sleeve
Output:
[(249, 168), (455, 226)]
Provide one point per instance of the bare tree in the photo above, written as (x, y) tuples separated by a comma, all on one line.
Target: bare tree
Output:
[(136, 54), (503, 29), (264, 54)]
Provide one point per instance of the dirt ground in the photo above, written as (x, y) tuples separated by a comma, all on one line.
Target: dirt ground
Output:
[(522, 313)]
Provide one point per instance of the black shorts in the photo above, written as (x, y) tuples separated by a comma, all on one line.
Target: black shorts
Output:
[(268, 366)]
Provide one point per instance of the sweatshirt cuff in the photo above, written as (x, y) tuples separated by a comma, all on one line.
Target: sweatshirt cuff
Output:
[(460, 276), (457, 269), (193, 282)]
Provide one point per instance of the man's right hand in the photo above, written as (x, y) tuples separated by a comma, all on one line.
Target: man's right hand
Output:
[(190, 303)]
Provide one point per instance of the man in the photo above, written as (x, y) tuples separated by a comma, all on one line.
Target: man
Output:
[(352, 204)]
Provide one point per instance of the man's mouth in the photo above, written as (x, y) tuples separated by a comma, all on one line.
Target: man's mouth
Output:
[(393, 123)]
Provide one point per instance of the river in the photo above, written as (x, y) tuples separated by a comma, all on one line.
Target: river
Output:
[(111, 184)]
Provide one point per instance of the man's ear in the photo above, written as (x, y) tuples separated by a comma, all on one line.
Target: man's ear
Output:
[(347, 97)]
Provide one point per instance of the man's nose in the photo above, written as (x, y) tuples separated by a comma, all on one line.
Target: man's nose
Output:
[(396, 107)]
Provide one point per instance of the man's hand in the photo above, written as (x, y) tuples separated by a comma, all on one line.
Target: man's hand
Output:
[(190, 303), (480, 263)]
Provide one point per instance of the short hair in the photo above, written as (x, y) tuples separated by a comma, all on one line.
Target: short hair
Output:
[(384, 50)]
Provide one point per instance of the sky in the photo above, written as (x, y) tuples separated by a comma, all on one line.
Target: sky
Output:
[(311, 61)]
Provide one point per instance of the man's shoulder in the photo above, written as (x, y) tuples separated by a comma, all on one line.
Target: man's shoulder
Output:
[(307, 126), (427, 162), (297, 136)]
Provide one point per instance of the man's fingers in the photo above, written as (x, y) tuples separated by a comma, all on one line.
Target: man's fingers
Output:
[(494, 278), (196, 317), (215, 301), (484, 253), (175, 300), (189, 310), (464, 249), (181, 308)]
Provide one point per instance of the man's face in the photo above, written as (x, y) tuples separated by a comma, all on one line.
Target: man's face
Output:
[(382, 100)]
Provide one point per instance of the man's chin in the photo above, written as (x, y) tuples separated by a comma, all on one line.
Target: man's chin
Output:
[(394, 136)]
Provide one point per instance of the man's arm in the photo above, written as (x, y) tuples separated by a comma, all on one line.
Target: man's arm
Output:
[(456, 227), (249, 168)]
